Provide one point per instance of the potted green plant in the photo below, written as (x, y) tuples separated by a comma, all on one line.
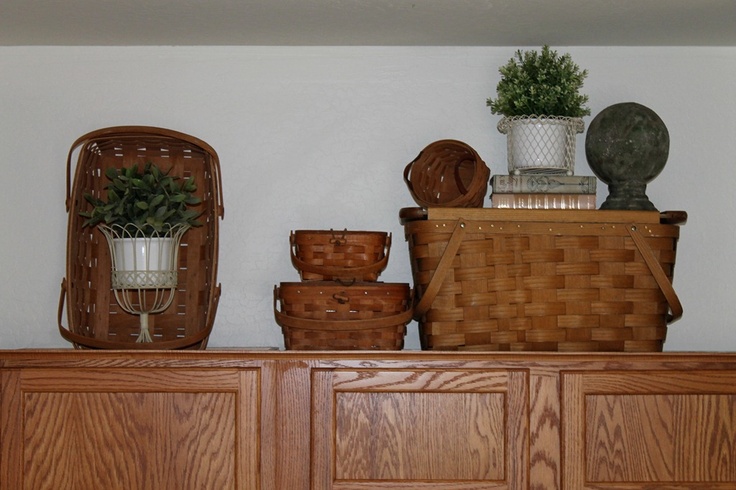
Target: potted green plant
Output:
[(540, 99), (149, 199), (144, 216)]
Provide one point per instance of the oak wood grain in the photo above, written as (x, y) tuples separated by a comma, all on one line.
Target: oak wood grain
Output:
[(129, 440), (133, 428), (285, 425), (430, 429), (545, 467), (270, 420), (11, 459), (650, 429)]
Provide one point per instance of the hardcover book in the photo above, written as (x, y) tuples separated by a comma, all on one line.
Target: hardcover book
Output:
[(548, 184), (543, 201)]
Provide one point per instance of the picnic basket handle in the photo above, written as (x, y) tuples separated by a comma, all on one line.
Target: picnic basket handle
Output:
[(665, 285), (440, 272)]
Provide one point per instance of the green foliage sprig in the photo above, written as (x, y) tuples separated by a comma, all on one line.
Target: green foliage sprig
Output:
[(534, 83), (150, 199)]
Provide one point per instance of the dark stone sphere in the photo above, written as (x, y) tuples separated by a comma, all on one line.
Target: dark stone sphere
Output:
[(627, 146)]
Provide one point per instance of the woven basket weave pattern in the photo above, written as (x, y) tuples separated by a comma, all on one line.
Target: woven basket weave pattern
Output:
[(339, 255), (95, 318), (448, 173), (324, 315), (542, 286)]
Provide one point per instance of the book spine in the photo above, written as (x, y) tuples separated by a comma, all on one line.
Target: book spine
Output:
[(543, 201), (548, 184)]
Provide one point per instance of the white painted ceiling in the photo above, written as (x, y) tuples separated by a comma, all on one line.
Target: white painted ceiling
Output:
[(369, 22)]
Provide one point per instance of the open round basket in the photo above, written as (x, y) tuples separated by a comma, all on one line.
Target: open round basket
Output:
[(95, 319), (448, 173)]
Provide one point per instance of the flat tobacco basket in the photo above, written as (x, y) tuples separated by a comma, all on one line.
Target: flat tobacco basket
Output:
[(96, 320)]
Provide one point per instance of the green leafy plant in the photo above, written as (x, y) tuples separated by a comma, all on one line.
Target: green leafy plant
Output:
[(534, 83), (149, 198)]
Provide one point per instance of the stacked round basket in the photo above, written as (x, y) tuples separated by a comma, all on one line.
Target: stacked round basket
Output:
[(339, 304)]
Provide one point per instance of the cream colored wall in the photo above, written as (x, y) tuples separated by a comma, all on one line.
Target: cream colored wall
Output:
[(317, 137)]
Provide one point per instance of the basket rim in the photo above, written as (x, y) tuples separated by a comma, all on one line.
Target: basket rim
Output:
[(132, 132)]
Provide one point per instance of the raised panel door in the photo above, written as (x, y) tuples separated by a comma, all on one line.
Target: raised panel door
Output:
[(404, 429), (132, 429), (647, 430)]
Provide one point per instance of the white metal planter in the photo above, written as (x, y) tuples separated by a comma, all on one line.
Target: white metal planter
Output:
[(541, 144), (144, 269)]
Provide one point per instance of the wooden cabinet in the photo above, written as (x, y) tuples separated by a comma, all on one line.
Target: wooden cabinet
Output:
[(458, 429), (129, 428), (650, 429), (359, 421)]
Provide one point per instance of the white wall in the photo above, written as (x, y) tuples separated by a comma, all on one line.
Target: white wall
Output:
[(318, 138)]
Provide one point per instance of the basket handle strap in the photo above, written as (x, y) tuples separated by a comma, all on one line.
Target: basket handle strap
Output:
[(441, 271), (407, 169), (340, 271), (74, 146), (60, 312), (665, 285), (480, 176), (341, 325)]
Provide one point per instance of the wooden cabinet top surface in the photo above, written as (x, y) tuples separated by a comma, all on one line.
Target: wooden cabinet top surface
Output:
[(237, 358)]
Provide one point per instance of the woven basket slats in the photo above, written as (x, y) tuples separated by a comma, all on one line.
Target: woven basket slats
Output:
[(542, 285), (447, 173), (95, 319), (345, 255), (326, 315)]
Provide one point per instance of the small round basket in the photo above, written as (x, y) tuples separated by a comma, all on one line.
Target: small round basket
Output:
[(448, 173)]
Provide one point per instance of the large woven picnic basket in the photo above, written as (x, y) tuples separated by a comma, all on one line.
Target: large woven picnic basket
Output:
[(95, 320), (543, 280)]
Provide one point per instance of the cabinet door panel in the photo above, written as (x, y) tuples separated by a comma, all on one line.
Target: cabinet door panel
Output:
[(404, 429), (650, 430), (136, 429)]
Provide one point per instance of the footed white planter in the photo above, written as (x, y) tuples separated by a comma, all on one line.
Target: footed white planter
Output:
[(144, 262), (144, 270), (541, 144)]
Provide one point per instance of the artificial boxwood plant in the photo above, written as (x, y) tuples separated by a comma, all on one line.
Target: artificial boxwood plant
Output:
[(540, 84), (149, 198)]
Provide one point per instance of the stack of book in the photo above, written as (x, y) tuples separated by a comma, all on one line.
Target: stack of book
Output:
[(543, 191)]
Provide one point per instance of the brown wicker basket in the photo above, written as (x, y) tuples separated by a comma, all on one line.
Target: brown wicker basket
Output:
[(339, 255), (325, 315), (502, 279), (95, 319), (448, 173)]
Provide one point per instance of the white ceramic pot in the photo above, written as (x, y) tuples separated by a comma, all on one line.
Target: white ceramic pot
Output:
[(144, 253), (145, 261)]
